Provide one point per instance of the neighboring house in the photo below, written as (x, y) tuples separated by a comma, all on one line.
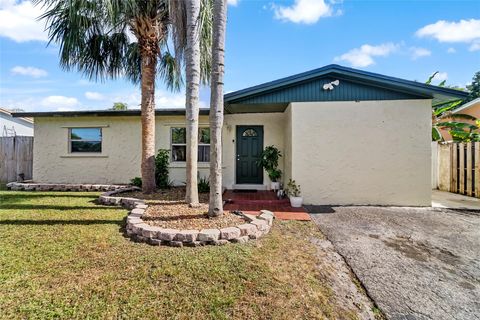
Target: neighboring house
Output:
[(18, 126), (471, 108), (341, 132)]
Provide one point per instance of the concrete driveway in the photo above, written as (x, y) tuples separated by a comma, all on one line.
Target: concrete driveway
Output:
[(416, 263)]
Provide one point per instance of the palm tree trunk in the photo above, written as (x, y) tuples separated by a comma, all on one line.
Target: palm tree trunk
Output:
[(192, 77), (216, 107), (149, 50)]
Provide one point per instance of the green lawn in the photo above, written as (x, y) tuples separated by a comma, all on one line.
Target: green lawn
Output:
[(63, 256)]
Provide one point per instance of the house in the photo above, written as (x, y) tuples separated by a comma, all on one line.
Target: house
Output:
[(347, 137), (14, 126), (471, 108)]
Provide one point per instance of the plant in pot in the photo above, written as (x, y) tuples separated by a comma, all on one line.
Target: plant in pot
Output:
[(274, 175), (269, 162), (294, 193)]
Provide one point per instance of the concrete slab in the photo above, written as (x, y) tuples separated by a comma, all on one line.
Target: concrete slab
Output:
[(442, 199)]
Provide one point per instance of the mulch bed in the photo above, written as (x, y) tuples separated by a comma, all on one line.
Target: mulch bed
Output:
[(167, 209)]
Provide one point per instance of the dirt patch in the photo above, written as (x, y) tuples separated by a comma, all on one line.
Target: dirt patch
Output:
[(178, 215), (168, 195)]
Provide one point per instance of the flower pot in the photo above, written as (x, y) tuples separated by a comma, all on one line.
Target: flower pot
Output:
[(296, 202), (275, 186)]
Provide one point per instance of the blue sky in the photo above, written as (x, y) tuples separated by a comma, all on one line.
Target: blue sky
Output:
[(266, 40)]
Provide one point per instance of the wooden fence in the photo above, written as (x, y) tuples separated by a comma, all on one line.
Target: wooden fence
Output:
[(459, 168), (16, 158)]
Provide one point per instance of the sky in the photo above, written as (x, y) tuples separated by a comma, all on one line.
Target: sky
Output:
[(266, 40)]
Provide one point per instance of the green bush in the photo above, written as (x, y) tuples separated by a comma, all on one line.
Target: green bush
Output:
[(204, 185), (137, 182), (161, 169)]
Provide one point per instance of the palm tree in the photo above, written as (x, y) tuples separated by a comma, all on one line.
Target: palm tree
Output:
[(216, 107), (108, 39)]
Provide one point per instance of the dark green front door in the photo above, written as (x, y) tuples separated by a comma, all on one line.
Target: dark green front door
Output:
[(249, 148)]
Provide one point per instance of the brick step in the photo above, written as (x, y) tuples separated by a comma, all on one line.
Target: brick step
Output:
[(283, 202)]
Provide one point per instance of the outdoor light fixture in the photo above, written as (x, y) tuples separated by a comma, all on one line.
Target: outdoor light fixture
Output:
[(329, 86)]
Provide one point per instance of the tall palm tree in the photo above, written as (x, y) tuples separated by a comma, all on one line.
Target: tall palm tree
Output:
[(190, 19), (108, 39), (216, 107)]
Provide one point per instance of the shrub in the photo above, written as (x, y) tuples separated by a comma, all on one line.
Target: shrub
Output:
[(137, 182), (269, 161), (161, 169), (293, 189), (203, 185)]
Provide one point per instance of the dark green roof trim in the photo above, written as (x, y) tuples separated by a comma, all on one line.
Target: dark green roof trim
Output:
[(104, 113), (395, 88)]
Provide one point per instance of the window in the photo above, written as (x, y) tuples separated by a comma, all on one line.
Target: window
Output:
[(179, 144), (85, 140), (249, 133)]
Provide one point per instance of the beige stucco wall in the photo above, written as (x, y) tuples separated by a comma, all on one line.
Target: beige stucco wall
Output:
[(273, 132), (287, 155), (369, 152), (121, 149)]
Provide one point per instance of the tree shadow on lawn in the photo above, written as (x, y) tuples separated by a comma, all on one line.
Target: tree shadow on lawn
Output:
[(60, 222), (50, 207)]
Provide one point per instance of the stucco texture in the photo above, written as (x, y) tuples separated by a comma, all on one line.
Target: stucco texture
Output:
[(119, 160), (368, 152)]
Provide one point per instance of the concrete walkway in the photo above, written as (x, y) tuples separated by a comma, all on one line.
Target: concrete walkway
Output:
[(442, 199)]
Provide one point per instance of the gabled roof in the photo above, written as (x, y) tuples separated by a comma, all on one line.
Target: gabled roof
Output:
[(358, 85), (468, 105)]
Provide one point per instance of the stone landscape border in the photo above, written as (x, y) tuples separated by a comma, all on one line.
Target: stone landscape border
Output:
[(138, 230), (33, 186)]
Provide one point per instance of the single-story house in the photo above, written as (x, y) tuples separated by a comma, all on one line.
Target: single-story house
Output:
[(471, 108), (18, 126), (347, 137)]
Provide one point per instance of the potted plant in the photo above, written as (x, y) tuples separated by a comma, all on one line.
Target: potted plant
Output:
[(269, 162), (295, 194), (274, 175)]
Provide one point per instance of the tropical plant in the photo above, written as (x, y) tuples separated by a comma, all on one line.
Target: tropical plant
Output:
[(293, 190), (119, 106), (162, 161), (269, 161), (443, 117), (108, 39), (203, 185), (215, 208), (474, 87), (137, 182)]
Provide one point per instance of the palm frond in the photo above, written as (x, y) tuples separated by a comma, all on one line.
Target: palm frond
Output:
[(429, 81), (170, 71)]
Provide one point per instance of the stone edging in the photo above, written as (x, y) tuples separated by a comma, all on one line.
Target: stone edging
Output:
[(31, 186), (138, 230)]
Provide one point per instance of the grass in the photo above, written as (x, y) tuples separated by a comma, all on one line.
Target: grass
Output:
[(63, 256)]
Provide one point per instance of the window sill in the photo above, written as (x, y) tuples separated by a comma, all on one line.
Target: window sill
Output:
[(184, 165), (86, 155)]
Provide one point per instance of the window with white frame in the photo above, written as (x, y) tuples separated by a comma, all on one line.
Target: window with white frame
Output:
[(85, 140), (179, 144)]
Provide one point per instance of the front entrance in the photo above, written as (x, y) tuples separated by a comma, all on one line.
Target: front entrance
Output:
[(249, 149)]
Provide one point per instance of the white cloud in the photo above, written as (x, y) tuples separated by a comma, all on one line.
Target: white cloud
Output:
[(18, 21), (439, 77), (232, 2), (475, 46), (466, 31), (94, 96), (363, 56), (304, 11), (29, 71), (59, 102), (451, 50), (419, 52)]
